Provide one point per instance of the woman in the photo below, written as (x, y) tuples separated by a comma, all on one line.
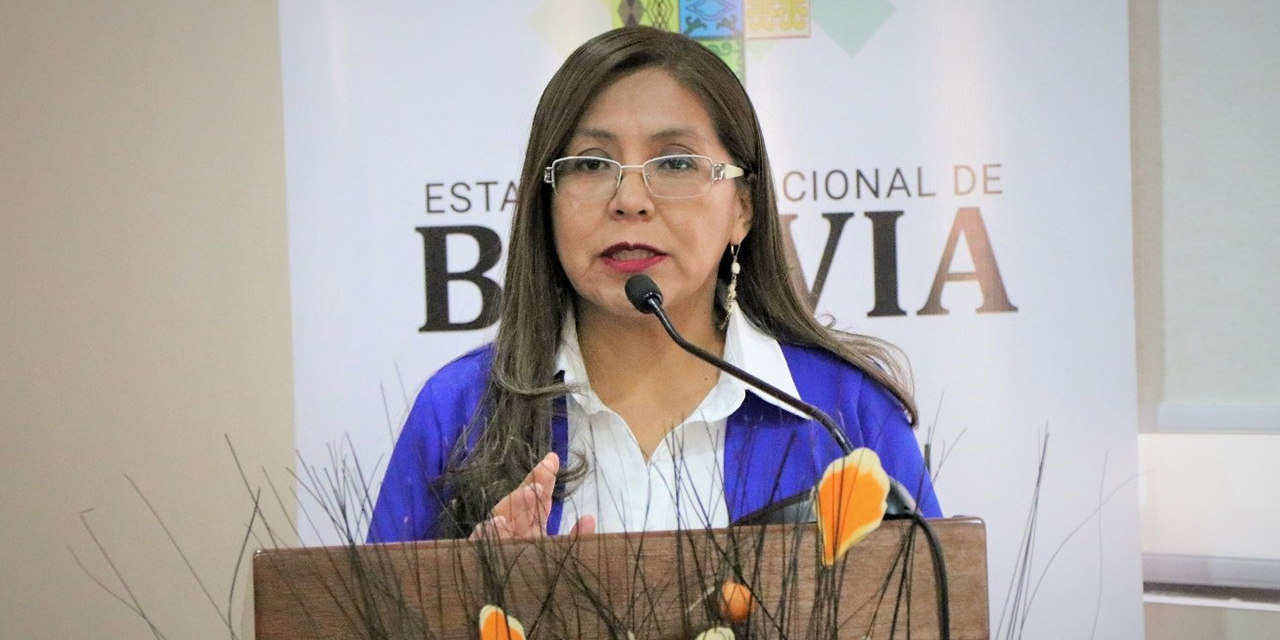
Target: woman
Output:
[(645, 157)]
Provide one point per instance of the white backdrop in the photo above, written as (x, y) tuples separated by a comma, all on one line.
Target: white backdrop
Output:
[(396, 110)]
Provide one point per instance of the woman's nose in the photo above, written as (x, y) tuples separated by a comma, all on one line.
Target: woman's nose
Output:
[(632, 196)]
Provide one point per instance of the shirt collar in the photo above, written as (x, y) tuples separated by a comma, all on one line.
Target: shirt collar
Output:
[(573, 369), (745, 345)]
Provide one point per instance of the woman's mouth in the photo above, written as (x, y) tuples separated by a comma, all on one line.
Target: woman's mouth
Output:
[(631, 258)]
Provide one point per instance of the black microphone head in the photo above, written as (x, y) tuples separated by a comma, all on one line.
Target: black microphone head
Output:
[(899, 503), (640, 290)]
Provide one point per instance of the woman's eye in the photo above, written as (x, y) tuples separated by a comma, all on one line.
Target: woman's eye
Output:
[(678, 164), (588, 165)]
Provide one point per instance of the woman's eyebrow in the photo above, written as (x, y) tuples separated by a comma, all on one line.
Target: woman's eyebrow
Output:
[(662, 134), (597, 134), (675, 132)]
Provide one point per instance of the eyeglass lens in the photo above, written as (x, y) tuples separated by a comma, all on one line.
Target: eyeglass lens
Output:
[(678, 176)]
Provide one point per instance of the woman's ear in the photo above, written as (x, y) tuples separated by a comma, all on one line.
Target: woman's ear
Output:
[(743, 216)]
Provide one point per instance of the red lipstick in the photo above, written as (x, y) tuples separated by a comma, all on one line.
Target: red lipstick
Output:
[(631, 258)]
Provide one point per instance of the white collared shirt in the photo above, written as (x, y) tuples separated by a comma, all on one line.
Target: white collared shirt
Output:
[(682, 484)]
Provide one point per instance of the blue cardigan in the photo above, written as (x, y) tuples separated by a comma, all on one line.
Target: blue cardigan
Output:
[(769, 453)]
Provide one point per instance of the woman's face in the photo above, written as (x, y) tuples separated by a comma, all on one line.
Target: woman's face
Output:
[(677, 242)]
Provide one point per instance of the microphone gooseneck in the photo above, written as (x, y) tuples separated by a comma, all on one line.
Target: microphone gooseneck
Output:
[(645, 295)]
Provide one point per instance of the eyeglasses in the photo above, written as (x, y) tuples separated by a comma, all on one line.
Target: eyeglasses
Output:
[(678, 176)]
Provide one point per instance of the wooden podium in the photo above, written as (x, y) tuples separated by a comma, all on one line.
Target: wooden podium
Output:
[(657, 585)]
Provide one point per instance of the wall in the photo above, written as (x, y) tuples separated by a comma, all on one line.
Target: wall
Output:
[(143, 270), (1205, 158), (1220, 200), (1205, 137), (1173, 622)]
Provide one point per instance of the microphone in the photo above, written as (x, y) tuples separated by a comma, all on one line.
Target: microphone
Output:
[(646, 297), (799, 508)]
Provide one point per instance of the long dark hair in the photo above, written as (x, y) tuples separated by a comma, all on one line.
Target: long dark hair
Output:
[(512, 430)]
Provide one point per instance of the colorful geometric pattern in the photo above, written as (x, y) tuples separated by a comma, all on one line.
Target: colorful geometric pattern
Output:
[(717, 24), (729, 50), (726, 26), (660, 14), (723, 26), (777, 19), (711, 18)]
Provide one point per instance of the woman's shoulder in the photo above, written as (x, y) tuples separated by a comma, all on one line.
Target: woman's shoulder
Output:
[(456, 388), (466, 370), (819, 365), (826, 377), (871, 415)]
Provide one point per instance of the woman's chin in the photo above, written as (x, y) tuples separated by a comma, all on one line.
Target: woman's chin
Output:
[(613, 307)]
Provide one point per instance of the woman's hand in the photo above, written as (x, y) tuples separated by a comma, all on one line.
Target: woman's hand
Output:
[(522, 514)]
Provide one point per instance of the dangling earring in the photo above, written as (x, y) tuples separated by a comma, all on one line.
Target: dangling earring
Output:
[(731, 293)]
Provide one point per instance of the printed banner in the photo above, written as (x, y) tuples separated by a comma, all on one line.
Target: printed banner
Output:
[(954, 177)]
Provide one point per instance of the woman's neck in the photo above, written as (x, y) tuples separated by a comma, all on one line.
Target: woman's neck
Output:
[(639, 343), (639, 372)]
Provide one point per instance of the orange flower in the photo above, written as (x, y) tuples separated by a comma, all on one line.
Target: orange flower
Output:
[(851, 501), (736, 602), (495, 624)]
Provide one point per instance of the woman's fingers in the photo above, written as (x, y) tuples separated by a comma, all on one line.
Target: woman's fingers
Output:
[(505, 507), (544, 473), (518, 509), (524, 511), (495, 528), (531, 520), (535, 500), (544, 484), (585, 525)]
